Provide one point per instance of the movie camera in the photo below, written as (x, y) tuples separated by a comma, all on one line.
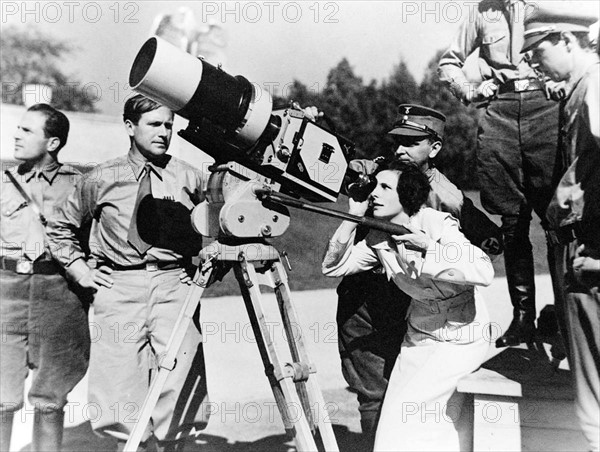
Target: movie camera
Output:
[(257, 151)]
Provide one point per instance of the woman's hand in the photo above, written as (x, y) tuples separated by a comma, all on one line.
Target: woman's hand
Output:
[(416, 239), (358, 208)]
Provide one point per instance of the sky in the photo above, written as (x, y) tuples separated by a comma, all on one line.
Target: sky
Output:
[(271, 43)]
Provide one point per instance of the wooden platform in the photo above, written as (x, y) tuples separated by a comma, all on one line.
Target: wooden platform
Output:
[(519, 401)]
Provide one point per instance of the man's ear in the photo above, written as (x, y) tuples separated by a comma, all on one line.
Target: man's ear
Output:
[(129, 125), (435, 148), (53, 144), (569, 39)]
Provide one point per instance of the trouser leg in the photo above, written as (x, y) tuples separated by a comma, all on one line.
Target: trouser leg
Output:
[(371, 321), (6, 424), (518, 261), (47, 430), (583, 315), (557, 268)]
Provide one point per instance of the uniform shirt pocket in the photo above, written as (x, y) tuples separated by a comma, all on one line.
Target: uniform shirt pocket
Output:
[(494, 47), (12, 206), (16, 221)]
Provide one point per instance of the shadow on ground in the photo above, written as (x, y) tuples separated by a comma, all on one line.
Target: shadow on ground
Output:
[(82, 439)]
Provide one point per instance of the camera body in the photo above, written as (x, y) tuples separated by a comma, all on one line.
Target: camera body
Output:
[(232, 120)]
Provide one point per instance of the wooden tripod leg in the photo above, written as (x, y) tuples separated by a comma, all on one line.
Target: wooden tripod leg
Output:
[(310, 388), (280, 376), (295, 341), (168, 362)]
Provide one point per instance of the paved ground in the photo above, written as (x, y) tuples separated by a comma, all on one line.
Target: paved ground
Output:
[(245, 417)]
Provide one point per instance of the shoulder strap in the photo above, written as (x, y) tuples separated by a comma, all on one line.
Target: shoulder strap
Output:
[(27, 198)]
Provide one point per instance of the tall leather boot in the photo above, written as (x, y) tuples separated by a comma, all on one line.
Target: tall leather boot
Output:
[(6, 424), (518, 262), (47, 430)]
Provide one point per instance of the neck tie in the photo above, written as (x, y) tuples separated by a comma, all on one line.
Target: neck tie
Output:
[(145, 189), (517, 31)]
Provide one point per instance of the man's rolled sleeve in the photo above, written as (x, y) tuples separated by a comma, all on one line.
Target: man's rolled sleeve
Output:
[(450, 68), (64, 227)]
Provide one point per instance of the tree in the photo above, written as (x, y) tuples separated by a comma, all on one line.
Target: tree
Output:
[(457, 159), (32, 57)]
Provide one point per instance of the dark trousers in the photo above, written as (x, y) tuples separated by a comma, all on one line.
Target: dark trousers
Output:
[(583, 324), (44, 328), (371, 319), (518, 166)]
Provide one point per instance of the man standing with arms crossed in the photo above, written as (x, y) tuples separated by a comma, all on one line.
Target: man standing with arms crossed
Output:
[(141, 237), (43, 315), (517, 146)]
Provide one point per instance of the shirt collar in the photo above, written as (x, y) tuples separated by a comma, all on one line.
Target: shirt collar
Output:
[(48, 172), (138, 163), (578, 74)]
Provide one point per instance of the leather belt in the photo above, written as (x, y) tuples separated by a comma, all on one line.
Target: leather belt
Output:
[(151, 266), (519, 86), (27, 267)]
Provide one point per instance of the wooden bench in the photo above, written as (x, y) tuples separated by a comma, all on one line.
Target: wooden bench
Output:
[(495, 410)]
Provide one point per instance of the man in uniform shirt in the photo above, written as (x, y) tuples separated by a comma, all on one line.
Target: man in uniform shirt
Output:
[(517, 145), (557, 35), (43, 316), (141, 238)]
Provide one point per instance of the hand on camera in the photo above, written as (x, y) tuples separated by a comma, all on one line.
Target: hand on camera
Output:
[(97, 277), (311, 112), (363, 166), (358, 208), (184, 277)]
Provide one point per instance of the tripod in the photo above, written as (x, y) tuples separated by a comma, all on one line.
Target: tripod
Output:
[(294, 384)]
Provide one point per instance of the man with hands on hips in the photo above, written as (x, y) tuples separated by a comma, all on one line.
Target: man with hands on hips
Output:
[(139, 208)]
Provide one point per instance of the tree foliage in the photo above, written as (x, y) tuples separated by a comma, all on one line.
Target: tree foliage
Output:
[(32, 57), (364, 113)]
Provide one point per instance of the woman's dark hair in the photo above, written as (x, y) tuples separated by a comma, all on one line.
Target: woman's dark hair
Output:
[(56, 125), (413, 186)]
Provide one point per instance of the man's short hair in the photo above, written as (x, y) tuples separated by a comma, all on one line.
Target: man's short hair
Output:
[(583, 39), (56, 125), (136, 106)]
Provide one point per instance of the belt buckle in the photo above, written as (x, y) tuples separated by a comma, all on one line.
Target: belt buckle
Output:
[(151, 266), (24, 267), (521, 85)]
